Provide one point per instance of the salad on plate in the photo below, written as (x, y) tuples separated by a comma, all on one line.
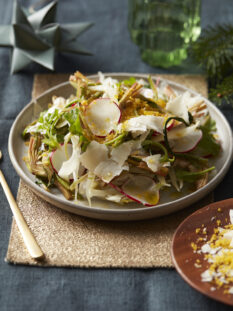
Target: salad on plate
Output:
[(122, 141)]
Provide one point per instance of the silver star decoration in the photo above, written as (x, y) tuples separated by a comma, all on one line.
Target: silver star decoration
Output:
[(36, 37)]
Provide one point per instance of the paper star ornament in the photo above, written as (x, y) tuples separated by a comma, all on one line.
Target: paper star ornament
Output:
[(36, 37)]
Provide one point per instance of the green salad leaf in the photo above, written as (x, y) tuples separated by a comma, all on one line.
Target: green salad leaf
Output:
[(117, 140), (73, 118), (208, 144), (194, 159), (75, 127), (129, 82), (47, 122), (150, 143), (191, 176), (153, 87)]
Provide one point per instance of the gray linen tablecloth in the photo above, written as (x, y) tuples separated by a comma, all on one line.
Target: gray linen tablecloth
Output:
[(33, 288)]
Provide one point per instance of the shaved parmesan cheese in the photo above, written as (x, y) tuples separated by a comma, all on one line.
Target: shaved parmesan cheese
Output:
[(108, 86), (96, 160), (120, 154), (146, 92), (109, 169), (153, 162), (142, 124), (59, 102), (178, 106), (113, 167), (95, 154), (71, 166)]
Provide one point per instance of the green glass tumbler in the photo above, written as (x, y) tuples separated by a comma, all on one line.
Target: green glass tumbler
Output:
[(164, 29)]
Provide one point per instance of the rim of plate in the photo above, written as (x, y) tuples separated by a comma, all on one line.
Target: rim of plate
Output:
[(122, 210)]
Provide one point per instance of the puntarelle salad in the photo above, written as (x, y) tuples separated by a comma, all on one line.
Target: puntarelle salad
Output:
[(122, 141)]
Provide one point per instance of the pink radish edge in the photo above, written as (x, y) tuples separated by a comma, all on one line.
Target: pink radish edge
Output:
[(191, 149), (52, 154), (129, 196), (50, 160), (169, 127), (74, 104), (157, 81)]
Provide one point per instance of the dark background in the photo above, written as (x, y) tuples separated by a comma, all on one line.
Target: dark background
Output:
[(33, 288)]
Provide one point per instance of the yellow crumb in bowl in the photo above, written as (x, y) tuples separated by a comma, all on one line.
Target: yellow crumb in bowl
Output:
[(218, 253)]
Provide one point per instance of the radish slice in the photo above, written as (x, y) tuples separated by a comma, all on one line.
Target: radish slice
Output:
[(58, 156), (182, 139), (169, 127), (141, 189), (186, 139), (170, 124), (102, 116)]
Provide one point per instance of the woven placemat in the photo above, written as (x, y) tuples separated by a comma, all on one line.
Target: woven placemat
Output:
[(75, 241)]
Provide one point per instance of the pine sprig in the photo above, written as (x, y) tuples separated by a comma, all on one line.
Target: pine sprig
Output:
[(214, 52), (223, 91), (214, 49)]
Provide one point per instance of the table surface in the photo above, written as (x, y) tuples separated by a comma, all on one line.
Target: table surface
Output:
[(33, 288)]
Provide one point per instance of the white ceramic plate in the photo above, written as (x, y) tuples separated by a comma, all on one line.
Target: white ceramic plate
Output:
[(104, 209)]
